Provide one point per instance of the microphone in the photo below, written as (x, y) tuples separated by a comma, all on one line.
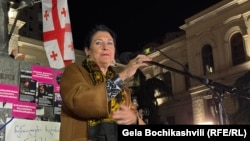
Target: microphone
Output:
[(125, 57)]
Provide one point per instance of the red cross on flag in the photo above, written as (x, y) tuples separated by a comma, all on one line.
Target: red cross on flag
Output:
[(57, 35)]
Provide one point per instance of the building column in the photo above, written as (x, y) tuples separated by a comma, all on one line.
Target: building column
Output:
[(4, 37), (198, 109)]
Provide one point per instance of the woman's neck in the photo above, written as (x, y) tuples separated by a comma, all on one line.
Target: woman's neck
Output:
[(104, 70)]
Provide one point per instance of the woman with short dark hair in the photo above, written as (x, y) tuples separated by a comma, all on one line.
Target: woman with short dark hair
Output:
[(94, 98)]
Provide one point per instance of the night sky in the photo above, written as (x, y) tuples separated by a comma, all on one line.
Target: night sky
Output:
[(136, 23)]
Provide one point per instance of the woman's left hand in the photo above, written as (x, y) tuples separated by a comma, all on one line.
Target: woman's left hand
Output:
[(124, 115), (134, 64)]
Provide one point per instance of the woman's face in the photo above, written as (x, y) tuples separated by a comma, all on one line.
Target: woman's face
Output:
[(26, 84), (102, 49), (42, 89)]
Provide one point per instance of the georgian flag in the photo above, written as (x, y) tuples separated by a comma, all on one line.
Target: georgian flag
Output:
[(57, 35)]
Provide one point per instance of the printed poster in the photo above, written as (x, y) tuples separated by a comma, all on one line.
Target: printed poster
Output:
[(27, 88)]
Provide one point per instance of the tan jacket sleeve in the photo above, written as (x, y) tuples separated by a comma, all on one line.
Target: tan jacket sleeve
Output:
[(80, 97)]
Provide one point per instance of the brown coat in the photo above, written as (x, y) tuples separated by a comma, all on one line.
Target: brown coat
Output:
[(78, 95)]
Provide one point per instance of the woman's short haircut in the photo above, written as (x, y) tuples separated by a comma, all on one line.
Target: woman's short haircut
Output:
[(97, 28)]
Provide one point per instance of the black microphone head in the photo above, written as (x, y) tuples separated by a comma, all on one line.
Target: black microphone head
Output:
[(125, 57)]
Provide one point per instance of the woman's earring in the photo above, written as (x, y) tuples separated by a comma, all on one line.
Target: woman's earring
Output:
[(88, 57)]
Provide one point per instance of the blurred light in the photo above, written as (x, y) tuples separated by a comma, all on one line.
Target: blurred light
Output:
[(161, 100), (147, 51), (11, 13), (206, 123)]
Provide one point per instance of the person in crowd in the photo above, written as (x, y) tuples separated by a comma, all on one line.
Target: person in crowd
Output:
[(94, 98)]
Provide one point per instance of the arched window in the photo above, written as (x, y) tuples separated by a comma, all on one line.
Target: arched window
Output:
[(237, 49), (207, 59)]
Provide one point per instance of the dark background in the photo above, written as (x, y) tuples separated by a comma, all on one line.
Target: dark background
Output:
[(136, 23)]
